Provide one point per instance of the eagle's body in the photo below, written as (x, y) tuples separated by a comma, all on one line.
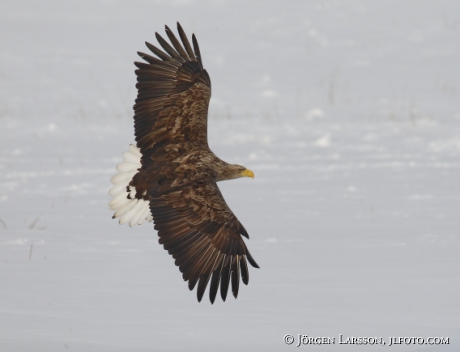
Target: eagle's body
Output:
[(170, 175)]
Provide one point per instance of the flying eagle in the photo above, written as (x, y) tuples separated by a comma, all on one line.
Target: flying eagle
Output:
[(170, 176)]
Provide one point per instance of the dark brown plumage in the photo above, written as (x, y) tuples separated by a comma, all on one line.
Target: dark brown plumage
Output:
[(179, 172)]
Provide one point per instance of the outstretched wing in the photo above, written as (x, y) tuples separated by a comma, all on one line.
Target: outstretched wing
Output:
[(173, 96), (202, 234), (170, 120)]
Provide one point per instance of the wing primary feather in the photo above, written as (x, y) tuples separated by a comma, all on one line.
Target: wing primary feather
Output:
[(236, 276), (225, 278), (243, 231), (168, 48), (161, 67), (193, 272), (197, 51), (205, 274), (157, 52), (176, 43), (186, 43), (210, 263), (197, 271), (150, 59), (189, 268), (215, 280), (244, 270), (251, 260), (214, 286), (156, 64), (202, 287)]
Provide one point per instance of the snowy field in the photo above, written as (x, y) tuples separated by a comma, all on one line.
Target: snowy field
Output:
[(347, 112)]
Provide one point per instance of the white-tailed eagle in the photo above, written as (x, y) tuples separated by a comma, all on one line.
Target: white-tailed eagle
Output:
[(170, 176)]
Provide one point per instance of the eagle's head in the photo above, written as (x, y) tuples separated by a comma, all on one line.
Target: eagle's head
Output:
[(232, 171)]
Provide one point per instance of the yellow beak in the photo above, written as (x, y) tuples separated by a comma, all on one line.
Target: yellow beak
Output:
[(247, 173)]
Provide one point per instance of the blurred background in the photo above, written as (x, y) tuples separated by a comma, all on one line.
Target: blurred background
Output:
[(347, 112)]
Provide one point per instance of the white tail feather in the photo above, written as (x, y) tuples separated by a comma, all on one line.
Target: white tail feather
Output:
[(132, 210), (125, 216), (146, 216), (118, 201), (130, 157), (141, 215), (125, 208), (116, 190), (125, 167), (122, 177), (135, 150)]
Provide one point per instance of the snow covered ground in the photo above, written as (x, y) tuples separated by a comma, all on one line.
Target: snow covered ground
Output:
[(348, 114)]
